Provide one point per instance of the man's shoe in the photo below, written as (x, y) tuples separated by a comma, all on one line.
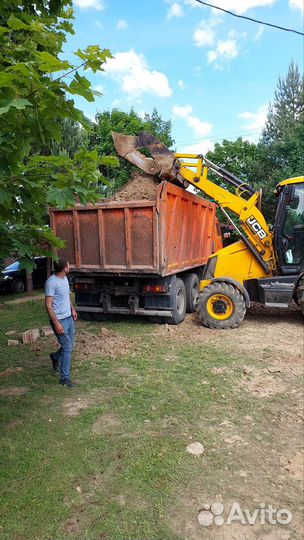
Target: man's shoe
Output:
[(55, 363), (68, 383)]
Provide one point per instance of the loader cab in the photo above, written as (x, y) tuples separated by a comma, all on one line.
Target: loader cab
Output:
[(289, 226)]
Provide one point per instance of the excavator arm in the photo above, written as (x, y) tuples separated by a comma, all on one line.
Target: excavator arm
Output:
[(185, 169)]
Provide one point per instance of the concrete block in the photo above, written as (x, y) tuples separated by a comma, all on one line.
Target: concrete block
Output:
[(30, 336), (46, 331), (13, 342)]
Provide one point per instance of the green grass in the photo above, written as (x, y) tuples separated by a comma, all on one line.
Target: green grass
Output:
[(63, 478)]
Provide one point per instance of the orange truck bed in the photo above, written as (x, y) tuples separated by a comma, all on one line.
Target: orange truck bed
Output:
[(173, 233)]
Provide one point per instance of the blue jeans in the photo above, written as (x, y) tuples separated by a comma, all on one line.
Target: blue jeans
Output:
[(64, 353)]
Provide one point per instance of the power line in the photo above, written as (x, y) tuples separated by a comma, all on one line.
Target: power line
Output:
[(250, 19)]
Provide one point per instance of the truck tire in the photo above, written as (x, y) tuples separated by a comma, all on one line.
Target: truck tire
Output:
[(179, 312), (191, 282), (85, 315), (18, 285), (221, 306), (300, 295)]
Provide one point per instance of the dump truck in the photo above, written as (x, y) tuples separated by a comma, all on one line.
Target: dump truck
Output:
[(266, 264), (139, 257)]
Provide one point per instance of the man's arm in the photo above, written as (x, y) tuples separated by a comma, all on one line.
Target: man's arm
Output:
[(73, 311), (51, 313)]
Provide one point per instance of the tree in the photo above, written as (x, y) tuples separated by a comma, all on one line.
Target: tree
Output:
[(36, 98), (287, 108), (130, 124), (73, 138)]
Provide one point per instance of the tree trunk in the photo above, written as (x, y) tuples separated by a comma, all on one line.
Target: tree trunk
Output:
[(29, 281)]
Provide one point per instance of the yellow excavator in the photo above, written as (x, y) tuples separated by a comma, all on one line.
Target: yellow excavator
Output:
[(266, 264)]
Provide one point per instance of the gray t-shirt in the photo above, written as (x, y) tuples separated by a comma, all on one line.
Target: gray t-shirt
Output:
[(59, 289)]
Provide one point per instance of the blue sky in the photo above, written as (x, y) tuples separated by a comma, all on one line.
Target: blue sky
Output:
[(213, 75)]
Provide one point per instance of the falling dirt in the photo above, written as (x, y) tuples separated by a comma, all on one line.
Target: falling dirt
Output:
[(13, 391), (108, 344), (140, 186)]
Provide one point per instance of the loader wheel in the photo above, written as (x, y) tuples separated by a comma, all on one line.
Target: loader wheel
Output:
[(221, 306), (300, 295), (192, 284)]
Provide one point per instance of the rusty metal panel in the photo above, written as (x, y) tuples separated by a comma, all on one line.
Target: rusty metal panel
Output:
[(63, 226), (189, 222), (171, 234)]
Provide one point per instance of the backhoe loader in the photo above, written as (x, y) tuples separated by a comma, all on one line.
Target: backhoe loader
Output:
[(266, 264)]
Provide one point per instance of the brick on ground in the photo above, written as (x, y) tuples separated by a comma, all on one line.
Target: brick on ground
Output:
[(30, 336), (13, 342), (46, 331)]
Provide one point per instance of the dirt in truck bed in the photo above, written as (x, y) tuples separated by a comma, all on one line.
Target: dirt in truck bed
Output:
[(140, 186)]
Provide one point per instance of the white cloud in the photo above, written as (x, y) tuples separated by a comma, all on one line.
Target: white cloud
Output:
[(201, 147), (242, 6), (181, 84), (175, 10), (255, 120), (259, 33), (297, 4), (131, 71), (204, 35), (90, 4), (121, 24), (201, 129), (225, 50), (99, 88)]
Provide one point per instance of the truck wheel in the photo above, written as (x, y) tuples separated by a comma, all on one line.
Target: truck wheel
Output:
[(300, 295), (179, 312), (17, 286), (222, 306), (85, 315), (191, 282)]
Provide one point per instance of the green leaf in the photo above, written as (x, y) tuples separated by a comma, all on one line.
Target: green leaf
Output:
[(51, 64), (17, 24), (82, 87), (3, 30), (6, 79), (7, 103)]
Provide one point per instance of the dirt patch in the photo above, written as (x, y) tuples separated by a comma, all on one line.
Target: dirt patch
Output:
[(106, 423), (10, 371), (110, 345), (295, 467), (13, 391), (140, 186), (261, 384), (74, 407)]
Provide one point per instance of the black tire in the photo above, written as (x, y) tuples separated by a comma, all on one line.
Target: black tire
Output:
[(85, 315), (18, 285), (191, 282), (179, 312), (221, 299), (300, 295), (97, 316)]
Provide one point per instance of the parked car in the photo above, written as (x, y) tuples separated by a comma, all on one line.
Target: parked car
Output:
[(13, 279)]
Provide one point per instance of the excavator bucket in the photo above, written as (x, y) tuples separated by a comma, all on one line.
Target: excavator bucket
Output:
[(162, 162)]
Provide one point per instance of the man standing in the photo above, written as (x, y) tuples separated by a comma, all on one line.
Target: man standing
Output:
[(62, 315)]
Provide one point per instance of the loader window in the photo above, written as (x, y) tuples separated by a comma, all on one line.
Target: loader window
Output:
[(293, 228)]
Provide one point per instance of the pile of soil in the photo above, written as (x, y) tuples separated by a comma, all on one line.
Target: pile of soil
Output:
[(140, 186), (107, 343)]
